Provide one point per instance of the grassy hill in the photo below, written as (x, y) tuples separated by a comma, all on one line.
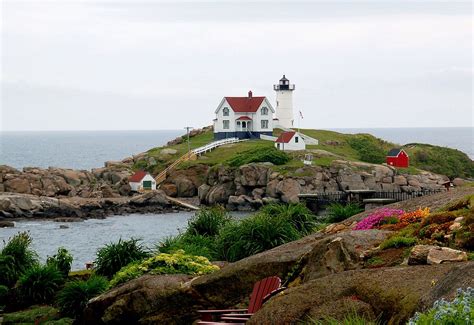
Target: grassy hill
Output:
[(332, 145)]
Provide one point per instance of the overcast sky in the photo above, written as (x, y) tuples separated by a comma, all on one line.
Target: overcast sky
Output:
[(128, 64)]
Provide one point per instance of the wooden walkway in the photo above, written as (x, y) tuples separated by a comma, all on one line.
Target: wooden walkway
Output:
[(182, 203)]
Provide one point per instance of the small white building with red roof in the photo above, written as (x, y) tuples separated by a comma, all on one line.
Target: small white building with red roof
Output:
[(142, 181), (243, 117), (290, 141)]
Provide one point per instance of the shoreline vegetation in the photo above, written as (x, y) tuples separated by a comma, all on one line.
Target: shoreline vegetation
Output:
[(422, 243)]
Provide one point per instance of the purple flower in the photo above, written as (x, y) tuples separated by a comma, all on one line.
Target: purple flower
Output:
[(375, 218)]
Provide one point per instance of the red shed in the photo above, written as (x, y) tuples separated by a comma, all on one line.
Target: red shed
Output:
[(398, 158)]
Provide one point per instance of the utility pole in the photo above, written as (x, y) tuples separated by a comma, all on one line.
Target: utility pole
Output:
[(188, 128)]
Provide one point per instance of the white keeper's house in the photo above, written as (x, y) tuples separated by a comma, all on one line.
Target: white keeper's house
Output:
[(252, 116), (243, 117)]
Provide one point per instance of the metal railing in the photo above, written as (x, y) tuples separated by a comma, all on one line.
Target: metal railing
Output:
[(325, 198)]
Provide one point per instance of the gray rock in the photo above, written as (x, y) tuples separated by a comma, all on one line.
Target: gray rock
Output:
[(6, 224), (203, 190), (169, 151), (440, 255), (289, 190)]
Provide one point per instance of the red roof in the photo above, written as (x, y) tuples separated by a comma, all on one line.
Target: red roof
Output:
[(138, 176), (244, 118), (285, 137), (245, 104)]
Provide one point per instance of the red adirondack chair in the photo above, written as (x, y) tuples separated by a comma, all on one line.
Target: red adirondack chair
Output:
[(261, 290)]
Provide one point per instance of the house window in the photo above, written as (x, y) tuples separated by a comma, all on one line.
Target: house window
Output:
[(264, 111), (238, 123), (225, 111), (264, 124), (225, 124), (296, 139)]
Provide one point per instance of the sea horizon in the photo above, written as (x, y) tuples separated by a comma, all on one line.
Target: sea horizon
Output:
[(90, 149)]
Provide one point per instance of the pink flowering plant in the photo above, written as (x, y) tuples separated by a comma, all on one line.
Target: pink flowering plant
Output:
[(377, 217)]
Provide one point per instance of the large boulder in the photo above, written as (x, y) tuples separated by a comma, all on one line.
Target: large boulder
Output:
[(220, 193), (157, 197), (440, 255), (254, 175), (394, 293), (17, 185), (289, 189), (185, 187)]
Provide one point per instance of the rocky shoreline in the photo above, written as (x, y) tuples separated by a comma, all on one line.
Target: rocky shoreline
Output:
[(15, 206)]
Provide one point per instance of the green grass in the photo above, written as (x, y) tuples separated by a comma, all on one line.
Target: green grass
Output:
[(397, 242), (351, 147)]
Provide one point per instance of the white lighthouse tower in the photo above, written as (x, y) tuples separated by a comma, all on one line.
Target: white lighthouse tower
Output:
[(284, 103)]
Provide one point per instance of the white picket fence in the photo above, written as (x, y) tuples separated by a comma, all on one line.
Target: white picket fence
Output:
[(215, 144)]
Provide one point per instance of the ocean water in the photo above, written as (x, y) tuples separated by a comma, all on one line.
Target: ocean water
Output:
[(76, 149), (90, 149)]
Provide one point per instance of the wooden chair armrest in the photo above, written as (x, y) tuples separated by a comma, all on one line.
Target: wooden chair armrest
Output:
[(273, 293)]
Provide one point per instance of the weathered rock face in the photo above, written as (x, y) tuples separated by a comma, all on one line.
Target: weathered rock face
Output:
[(440, 255), (395, 293), (325, 278), (109, 181), (270, 185)]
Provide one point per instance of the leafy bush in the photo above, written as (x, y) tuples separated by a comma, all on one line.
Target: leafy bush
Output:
[(114, 256), (16, 257), (192, 244), (208, 221), (34, 315), (39, 284), (296, 213), (176, 263), (458, 311), (338, 212), (446, 161), (254, 235), (269, 154), (62, 260), (72, 299), (3, 296), (397, 242), (368, 148)]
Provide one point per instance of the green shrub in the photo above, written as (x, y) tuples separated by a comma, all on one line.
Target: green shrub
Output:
[(208, 221), (16, 257), (368, 148), (114, 256), (338, 212), (39, 284), (397, 242), (458, 311), (269, 154), (192, 244), (62, 260), (175, 263), (73, 298), (296, 213), (3, 296), (33, 315), (254, 235)]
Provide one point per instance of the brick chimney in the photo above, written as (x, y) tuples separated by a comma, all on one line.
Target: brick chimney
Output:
[(250, 94)]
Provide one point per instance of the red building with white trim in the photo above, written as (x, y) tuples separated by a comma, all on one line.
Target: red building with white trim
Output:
[(398, 158)]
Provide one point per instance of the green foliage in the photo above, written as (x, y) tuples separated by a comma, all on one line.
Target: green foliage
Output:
[(254, 235), (296, 213), (338, 212), (450, 162), (175, 263), (459, 311), (208, 221), (269, 154), (73, 298), (16, 257), (39, 284), (369, 149), (62, 260), (32, 315), (397, 242), (192, 244), (114, 256), (3, 296)]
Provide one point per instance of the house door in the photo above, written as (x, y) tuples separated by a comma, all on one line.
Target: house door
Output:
[(147, 185)]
